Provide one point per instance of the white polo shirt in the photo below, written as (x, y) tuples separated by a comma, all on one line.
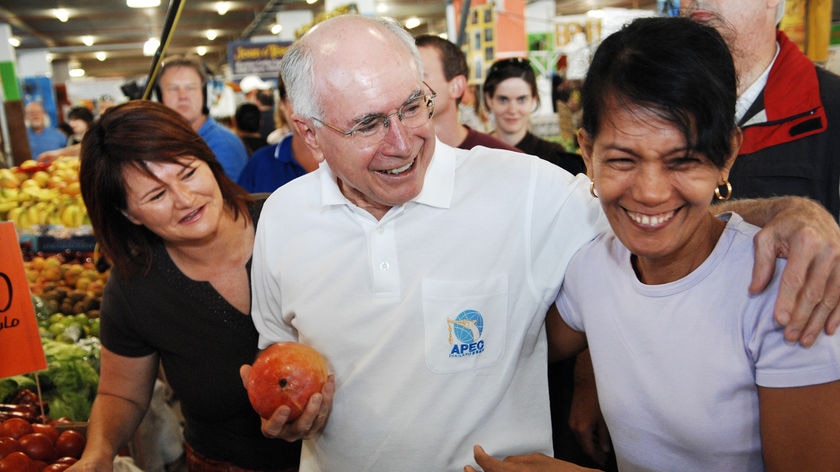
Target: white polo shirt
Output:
[(432, 318)]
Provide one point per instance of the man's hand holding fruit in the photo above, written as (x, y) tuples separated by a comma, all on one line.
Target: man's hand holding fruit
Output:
[(289, 387)]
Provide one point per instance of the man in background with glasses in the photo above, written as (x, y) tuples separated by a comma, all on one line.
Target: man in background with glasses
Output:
[(421, 272), (182, 85)]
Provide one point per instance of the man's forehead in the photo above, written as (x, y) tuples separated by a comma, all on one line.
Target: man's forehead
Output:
[(181, 74), (374, 97)]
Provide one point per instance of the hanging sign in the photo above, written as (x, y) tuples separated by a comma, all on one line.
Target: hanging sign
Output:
[(260, 58), (21, 351)]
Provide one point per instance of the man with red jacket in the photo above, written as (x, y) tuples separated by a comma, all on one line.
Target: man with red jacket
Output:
[(786, 105)]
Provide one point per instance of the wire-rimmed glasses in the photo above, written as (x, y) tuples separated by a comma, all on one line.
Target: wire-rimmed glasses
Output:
[(413, 113)]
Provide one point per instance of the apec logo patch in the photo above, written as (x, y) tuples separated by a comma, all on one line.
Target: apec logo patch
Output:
[(466, 334)]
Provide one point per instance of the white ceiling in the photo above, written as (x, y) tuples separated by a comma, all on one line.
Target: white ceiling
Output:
[(120, 31)]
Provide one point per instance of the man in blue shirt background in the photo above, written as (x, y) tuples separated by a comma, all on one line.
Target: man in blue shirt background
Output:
[(42, 137), (182, 86), (272, 166)]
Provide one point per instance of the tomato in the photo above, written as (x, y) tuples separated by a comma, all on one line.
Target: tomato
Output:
[(47, 430), (15, 427), (16, 462), (66, 460), (70, 443), (61, 420), (8, 445), (37, 446)]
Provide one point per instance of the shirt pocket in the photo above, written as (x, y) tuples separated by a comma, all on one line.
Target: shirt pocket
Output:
[(465, 323)]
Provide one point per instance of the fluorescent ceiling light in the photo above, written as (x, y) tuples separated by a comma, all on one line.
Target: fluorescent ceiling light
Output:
[(77, 72), (14, 41), (62, 14), (201, 50), (412, 22), (142, 3), (87, 40), (101, 55), (222, 7), (211, 34), (150, 46)]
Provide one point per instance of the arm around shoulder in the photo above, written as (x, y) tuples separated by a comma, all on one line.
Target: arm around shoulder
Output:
[(804, 233)]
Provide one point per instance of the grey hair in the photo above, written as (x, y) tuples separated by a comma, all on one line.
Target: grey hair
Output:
[(780, 11), (297, 68)]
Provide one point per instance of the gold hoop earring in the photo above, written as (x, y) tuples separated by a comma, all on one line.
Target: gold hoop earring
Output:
[(718, 195), (592, 188)]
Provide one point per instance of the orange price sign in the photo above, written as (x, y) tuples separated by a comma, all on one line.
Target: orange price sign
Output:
[(21, 351)]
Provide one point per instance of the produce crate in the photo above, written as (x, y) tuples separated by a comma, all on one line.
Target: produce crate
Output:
[(49, 244)]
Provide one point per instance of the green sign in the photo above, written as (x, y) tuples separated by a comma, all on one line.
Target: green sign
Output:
[(11, 87)]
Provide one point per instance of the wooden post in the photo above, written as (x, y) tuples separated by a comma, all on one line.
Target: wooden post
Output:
[(18, 139)]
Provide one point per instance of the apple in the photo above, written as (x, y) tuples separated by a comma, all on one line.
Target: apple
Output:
[(285, 373)]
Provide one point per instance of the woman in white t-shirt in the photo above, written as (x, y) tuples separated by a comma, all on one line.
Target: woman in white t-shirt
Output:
[(693, 373)]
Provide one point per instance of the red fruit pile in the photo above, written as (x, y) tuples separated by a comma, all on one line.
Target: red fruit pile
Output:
[(38, 447)]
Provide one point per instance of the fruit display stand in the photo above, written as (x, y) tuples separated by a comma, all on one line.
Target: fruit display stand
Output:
[(47, 428), (44, 202), (66, 278), (47, 431), (66, 290), (35, 195)]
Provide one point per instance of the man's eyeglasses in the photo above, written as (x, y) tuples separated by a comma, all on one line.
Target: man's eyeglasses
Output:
[(415, 112)]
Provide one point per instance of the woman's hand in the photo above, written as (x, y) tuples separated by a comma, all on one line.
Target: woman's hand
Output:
[(534, 462), (88, 463)]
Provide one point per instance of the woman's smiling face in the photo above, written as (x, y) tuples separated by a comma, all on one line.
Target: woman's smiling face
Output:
[(512, 105), (654, 190), (181, 203)]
